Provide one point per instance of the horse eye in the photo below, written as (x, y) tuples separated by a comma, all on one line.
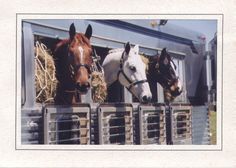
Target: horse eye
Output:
[(132, 68)]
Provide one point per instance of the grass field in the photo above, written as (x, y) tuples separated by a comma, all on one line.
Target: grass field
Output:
[(213, 127)]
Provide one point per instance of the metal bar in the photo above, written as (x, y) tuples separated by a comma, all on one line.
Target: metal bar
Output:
[(154, 130), (62, 121), (123, 126), (64, 140), (71, 130), (29, 69), (116, 118), (117, 135)]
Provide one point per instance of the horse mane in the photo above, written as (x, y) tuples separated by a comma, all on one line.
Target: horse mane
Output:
[(145, 61), (61, 43), (78, 36), (84, 39)]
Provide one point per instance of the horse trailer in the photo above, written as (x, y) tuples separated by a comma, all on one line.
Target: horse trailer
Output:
[(121, 120)]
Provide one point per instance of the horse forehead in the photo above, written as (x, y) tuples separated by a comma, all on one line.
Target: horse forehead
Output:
[(81, 39), (136, 60)]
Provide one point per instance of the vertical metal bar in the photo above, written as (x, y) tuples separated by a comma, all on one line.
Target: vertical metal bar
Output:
[(160, 94), (46, 125), (100, 125), (29, 69), (184, 83), (127, 96), (208, 75), (169, 140), (141, 125)]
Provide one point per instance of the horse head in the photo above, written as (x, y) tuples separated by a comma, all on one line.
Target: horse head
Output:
[(166, 75), (132, 73), (79, 53)]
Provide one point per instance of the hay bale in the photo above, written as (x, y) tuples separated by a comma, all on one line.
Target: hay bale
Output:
[(45, 74), (99, 87)]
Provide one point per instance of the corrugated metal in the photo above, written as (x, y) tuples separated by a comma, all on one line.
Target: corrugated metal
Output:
[(200, 125)]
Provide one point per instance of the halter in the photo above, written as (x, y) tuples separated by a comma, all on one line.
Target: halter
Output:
[(121, 71), (76, 67)]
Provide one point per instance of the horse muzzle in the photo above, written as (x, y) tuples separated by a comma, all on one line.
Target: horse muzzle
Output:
[(83, 88), (146, 99)]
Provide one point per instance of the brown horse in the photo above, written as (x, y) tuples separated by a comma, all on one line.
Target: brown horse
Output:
[(73, 66), (162, 69)]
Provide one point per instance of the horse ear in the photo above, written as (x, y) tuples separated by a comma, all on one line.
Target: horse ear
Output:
[(89, 31), (163, 52), (72, 31), (136, 48), (164, 57), (127, 48)]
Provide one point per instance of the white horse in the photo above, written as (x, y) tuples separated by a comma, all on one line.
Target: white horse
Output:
[(126, 66)]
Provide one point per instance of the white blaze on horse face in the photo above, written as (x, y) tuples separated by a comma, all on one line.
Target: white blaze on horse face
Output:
[(81, 50), (179, 84)]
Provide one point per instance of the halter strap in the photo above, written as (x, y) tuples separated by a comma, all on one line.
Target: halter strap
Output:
[(121, 71), (78, 66)]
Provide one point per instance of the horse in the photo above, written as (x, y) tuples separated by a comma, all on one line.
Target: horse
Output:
[(126, 66), (73, 61), (162, 70)]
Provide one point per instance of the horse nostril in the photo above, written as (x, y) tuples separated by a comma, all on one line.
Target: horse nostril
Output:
[(87, 84), (78, 85), (145, 98)]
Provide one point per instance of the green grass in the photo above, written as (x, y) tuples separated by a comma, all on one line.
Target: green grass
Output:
[(213, 127)]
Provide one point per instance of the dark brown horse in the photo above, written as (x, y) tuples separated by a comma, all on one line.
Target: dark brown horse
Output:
[(73, 66), (162, 69)]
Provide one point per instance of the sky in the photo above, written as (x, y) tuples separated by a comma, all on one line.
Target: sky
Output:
[(207, 27)]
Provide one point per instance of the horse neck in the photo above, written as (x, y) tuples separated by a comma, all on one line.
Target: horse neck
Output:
[(152, 74), (62, 68), (111, 67)]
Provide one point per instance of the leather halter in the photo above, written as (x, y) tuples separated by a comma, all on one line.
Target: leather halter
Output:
[(76, 67), (121, 71)]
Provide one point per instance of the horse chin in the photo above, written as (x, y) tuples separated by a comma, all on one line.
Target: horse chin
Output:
[(169, 97), (82, 92)]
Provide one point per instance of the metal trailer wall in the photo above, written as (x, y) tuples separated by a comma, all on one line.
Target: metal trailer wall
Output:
[(200, 125), (113, 37)]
